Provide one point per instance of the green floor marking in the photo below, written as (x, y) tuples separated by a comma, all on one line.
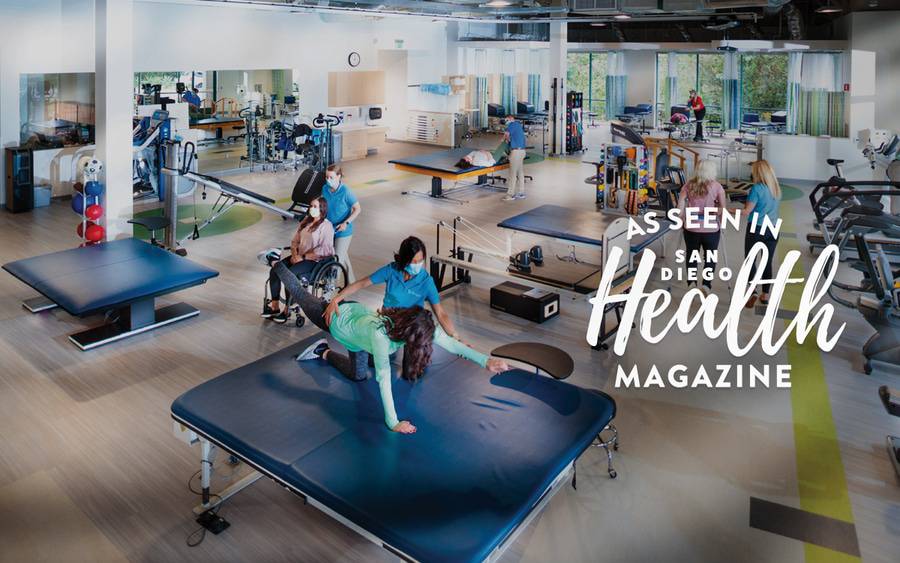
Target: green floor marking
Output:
[(820, 470), (240, 217)]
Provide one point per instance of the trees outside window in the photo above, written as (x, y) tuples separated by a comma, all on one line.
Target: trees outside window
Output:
[(763, 82), (586, 73)]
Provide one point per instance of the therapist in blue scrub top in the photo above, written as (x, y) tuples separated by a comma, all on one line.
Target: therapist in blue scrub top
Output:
[(192, 97), (407, 284), (343, 209), (515, 136)]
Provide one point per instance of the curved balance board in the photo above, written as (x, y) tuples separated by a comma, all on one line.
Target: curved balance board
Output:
[(549, 359)]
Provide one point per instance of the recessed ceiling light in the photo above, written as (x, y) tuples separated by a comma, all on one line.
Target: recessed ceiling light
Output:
[(598, 24), (498, 3), (622, 17)]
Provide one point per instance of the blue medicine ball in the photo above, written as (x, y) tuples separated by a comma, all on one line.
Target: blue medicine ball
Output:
[(93, 187), (78, 202)]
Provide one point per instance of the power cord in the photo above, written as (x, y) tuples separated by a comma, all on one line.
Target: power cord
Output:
[(200, 533)]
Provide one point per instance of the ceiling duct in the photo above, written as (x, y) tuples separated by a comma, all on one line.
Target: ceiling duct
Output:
[(593, 6)]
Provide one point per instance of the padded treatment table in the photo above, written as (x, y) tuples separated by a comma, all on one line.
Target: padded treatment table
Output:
[(123, 275), (216, 124), (489, 452), (579, 226), (441, 165)]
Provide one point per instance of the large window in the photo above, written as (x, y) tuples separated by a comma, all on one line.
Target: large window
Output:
[(763, 82), (587, 74), (701, 72)]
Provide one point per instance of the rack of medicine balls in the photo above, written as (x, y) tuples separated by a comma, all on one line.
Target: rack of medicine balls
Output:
[(86, 203)]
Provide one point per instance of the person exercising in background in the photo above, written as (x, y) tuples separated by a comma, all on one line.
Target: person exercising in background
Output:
[(696, 103), (363, 332), (192, 97), (515, 136)]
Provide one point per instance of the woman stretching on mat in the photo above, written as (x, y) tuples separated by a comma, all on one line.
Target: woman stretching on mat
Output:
[(363, 332), (313, 241), (407, 284)]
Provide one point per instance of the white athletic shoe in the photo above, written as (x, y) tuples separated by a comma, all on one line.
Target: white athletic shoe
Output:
[(509, 197), (520, 195), (314, 351), (269, 256)]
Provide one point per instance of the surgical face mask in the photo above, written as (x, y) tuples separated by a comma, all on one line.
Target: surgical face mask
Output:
[(314, 212), (414, 268), (334, 182)]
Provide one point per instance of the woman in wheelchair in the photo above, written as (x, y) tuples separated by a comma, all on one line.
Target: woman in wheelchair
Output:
[(313, 241)]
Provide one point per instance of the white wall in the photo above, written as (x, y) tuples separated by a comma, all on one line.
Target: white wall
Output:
[(57, 36), (877, 32)]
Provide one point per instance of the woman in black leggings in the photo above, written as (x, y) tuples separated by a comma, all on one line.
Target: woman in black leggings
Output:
[(364, 331)]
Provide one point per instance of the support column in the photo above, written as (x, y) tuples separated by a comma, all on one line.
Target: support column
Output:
[(454, 65), (559, 38), (114, 98)]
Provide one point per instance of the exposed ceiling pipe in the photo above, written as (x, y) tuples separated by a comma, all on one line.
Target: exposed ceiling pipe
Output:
[(620, 35), (685, 34)]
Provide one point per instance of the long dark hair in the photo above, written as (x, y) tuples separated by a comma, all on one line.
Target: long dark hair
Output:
[(408, 250), (415, 327), (323, 212)]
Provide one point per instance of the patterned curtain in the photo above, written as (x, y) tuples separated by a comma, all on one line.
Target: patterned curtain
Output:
[(508, 93), (795, 75), (671, 83), (534, 91), (616, 82), (481, 102), (821, 107), (731, 91)]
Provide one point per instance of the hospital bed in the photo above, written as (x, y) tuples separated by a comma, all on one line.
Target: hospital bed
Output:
[(121, 278), (489, 453)]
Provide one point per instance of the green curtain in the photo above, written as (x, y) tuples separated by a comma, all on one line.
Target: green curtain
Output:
[(508, 93), (820, 110), (616, 83), (534, 91), (481, 102), (671, 83), (731, 91), (795, 76)]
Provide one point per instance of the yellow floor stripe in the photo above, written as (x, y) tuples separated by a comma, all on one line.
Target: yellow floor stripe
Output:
[(820, 470)]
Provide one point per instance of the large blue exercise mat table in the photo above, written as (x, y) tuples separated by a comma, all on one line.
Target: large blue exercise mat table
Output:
[(123, 276), (489, 452)]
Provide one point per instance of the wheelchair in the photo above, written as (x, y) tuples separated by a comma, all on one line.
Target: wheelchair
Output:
[(325, 281)]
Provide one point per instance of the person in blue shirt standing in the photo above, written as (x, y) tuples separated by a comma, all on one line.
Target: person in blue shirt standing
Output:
[(343, 209), (407, 284), (761, 211), (192, 97), (515, 136)]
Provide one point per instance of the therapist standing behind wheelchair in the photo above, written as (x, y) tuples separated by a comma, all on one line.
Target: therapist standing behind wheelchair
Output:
[(313, 241), (343, 209), (515, 136), (407, 284)]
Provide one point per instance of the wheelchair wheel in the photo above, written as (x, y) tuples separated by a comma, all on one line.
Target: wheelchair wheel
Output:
[(329, 281)]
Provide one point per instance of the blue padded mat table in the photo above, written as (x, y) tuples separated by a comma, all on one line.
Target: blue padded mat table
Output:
[(487, 448), (125, 274), (577, 225)]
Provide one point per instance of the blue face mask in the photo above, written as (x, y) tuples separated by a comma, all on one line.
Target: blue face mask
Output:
[(414, 268)]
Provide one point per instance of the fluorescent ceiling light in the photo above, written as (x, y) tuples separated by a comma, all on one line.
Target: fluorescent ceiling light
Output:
[(598, 24), (829, 10), (498, 3), (622, 17)]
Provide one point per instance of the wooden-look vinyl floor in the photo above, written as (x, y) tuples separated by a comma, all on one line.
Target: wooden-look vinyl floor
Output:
[(90, 469)]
